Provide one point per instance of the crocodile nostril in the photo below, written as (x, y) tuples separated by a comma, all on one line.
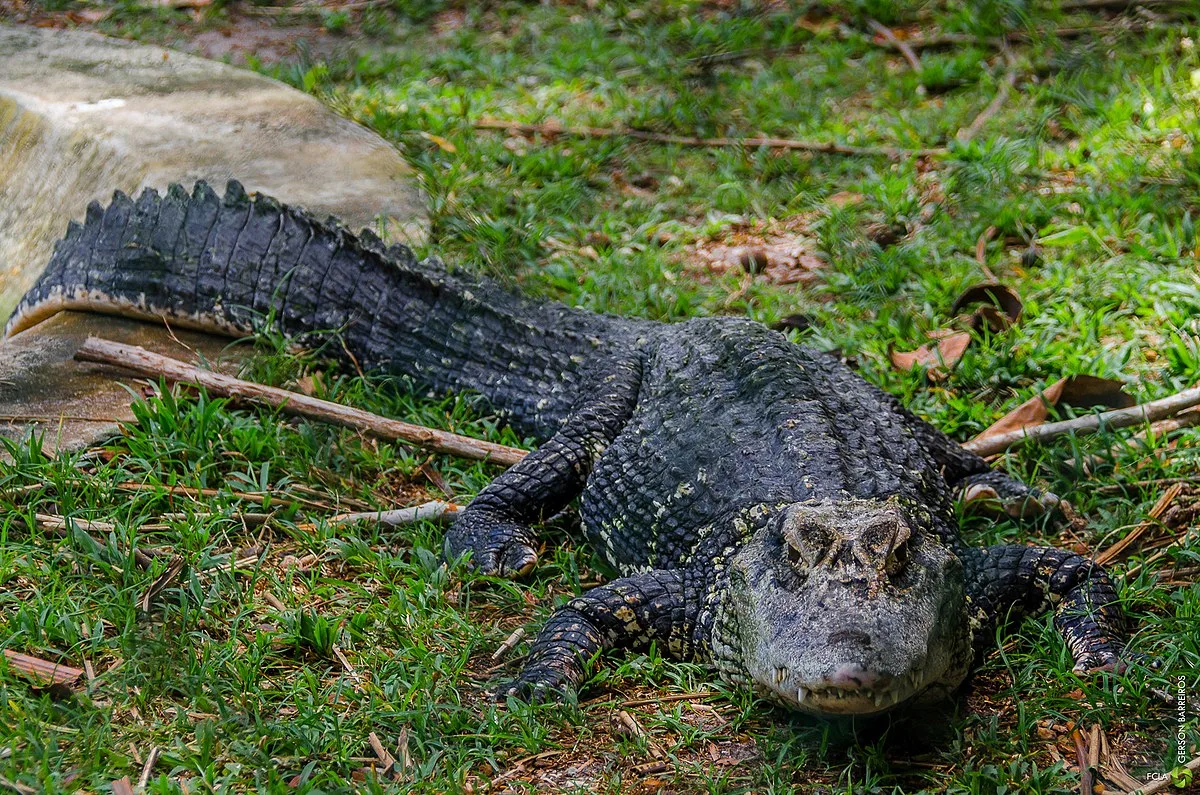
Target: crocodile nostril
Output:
[(849, 637)]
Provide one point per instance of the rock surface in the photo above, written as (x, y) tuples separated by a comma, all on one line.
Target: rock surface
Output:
[(82, 115)]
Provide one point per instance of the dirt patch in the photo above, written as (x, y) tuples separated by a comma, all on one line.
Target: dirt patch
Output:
[(243, 37), (234, 37)]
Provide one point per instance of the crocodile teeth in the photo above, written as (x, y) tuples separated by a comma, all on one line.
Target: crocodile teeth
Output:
[(879, 698), (801, 694)]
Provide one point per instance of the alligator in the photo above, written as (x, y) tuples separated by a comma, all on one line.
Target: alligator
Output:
[(769, 511)]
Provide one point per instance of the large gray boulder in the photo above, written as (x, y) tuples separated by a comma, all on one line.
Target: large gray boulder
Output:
[(82, 115)]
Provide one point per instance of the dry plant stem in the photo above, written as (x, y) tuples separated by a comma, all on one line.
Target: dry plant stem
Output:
[(386, 760), (153, 365), (434, 510), (1118, 418), (993, 107), (905, 50), (61, 526), (896, 153), (509, 644), (21, 789), (1156, 513), (1081, 757), (151, 759), (645, 702)]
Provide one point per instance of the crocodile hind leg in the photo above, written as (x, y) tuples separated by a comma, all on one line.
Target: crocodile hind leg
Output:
[(497, 527), (1017, 580), (629, 613)]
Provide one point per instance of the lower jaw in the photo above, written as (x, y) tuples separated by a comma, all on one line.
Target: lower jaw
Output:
[(829, 706), (845, 707)]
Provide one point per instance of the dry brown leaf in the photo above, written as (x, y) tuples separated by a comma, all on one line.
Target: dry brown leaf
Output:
[(441, 142), (938, 357), (845, 198), (1081, 391), (1002, 307), (41, 670)]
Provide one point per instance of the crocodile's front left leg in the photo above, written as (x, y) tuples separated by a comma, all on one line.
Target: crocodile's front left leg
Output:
[(660, 605), (1019, 580), (497, 527)]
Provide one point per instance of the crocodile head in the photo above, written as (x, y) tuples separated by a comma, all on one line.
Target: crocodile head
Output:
[(845, 608)]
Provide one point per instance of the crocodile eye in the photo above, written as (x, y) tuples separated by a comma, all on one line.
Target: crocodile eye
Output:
[(808, 544), (899, 555)]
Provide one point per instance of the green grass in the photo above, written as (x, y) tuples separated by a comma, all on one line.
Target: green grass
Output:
[(1091, 176)]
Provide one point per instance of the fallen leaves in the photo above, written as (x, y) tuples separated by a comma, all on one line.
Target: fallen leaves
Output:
[(999, 309), (42, 671), (1080, 391), (782, 252), (938, 357)]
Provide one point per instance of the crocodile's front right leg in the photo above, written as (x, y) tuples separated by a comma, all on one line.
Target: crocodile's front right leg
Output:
[(629, 613), (497, 527)]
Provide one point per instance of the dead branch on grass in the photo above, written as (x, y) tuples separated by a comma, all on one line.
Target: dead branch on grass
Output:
[(153, 365), (1150, 412), (818, 147), (897, 43), (1156, 513), (1006, 86)]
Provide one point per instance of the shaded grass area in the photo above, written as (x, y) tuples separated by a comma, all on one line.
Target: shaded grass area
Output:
[(1089, 175)]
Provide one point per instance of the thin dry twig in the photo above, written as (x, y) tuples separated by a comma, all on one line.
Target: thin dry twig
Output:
[(1141, 484), (153, 365), (151, 759), (981, 252), (386, 760), (1006, 86), (1156, 513), (909, 54), (645, 702), (1117, 418), (509, 644), (61, 526), (434, 510), (22, 789), (830, 148), (634, 728)]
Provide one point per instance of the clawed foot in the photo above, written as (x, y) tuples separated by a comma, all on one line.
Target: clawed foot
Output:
[(998, 494), (504, 551), (536, 688), (1100, 662)]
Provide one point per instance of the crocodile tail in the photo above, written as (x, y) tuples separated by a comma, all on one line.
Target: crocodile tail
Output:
[(229, 264)]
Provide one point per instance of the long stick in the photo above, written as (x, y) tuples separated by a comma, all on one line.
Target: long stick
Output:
[(897, 153), (153, 365), (435, 510), (1006, 85), (898, 43), (1117, 418)]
